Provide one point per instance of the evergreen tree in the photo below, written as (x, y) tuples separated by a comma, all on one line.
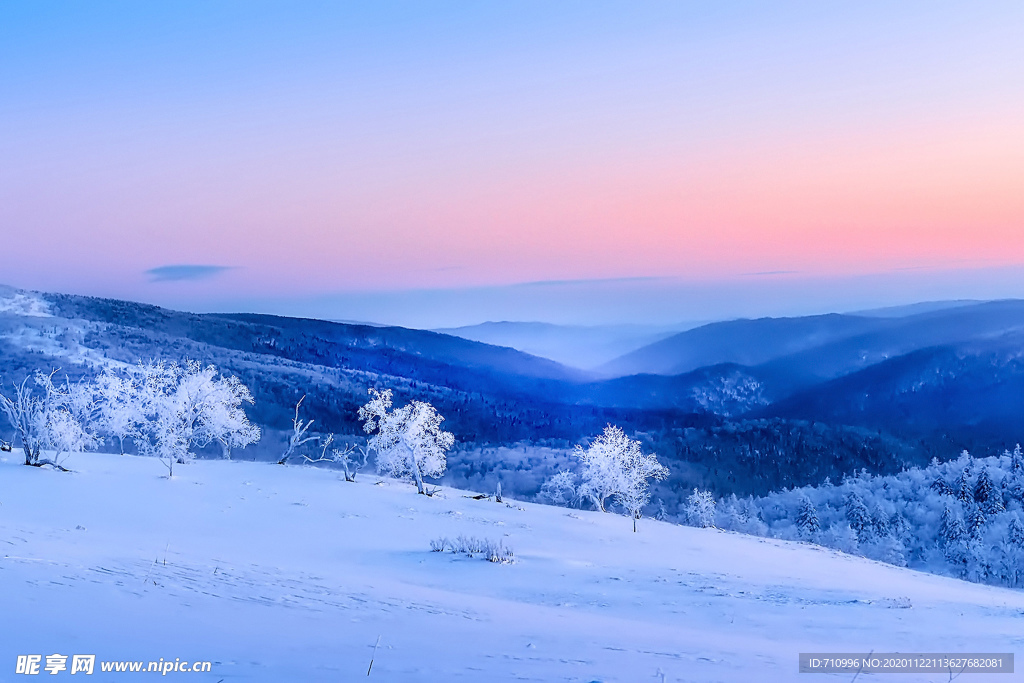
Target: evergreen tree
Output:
[(857, 516), (975, 521), (941, 487), (880, 521), (898, 525), (954, 541), (1015, 533), (951, 529), (983, 489), (807, 519), (994, 505), (963, 487)]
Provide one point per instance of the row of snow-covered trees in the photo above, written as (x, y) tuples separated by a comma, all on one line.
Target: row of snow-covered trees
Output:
[(165, 409), (168, 410), (962, 517)]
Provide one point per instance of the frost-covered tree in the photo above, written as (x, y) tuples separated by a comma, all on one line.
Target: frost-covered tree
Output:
[(954, 541), (941, 487), (118, 406), (731, 515), (983, 488), (615, 465), (559, 489), (857, 517), (51, 416), (71, 425), (637, 470), (879, 521), (298, 437), (700, 508), (807, 519), (408, 440), (1015, 533), (25, 410), (898, 525), (190, 406), (951, 528), (350, 464), (222, 419), (975, 522), (1017, 460), (964, 492)]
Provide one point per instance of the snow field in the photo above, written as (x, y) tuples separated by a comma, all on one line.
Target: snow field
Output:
[(289, 573)]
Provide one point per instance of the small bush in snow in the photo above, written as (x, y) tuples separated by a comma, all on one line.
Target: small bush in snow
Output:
[(492, 551)]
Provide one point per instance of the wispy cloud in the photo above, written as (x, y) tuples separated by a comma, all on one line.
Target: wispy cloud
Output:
[(591, 281), (184, 272), (776, 272)]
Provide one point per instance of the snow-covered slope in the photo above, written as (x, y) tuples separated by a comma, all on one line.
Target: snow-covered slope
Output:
[(290, 574)]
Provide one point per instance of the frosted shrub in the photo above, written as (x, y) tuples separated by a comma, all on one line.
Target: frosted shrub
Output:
[(500, 554), (492, 551)]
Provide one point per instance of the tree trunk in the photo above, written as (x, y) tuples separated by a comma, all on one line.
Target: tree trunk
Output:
[(416, 474), (419, 477), (26, 445)]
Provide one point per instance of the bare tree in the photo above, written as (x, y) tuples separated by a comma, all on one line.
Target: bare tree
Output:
[(298, 436), (342, 456)]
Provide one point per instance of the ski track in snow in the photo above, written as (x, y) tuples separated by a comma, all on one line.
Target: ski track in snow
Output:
[(290, 574)]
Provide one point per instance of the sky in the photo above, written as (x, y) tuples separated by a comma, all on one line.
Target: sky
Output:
[(445, 163)]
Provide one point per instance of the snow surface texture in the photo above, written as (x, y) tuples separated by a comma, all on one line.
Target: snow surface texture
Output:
[(290, 574)]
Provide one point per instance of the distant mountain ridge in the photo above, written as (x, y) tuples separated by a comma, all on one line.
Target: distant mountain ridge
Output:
[(843, 342), (744, 342), (578, 346)]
